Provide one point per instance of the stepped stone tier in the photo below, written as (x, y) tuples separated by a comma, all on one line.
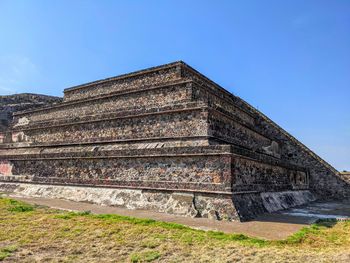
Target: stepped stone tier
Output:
[(20, 102), (167, 139)]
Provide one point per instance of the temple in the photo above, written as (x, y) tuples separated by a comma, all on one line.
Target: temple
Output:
[(166, 139)]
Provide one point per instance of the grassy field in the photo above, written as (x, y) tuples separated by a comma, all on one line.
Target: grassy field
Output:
[(39, 234)]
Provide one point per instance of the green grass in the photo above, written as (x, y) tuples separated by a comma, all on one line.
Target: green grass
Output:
[(147, 256), (296, 238), (195, 234), (18, 206), (70, 215), (7, 251), (34, 233)]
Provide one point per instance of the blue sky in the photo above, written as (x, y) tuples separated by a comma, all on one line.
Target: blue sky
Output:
[(290, 59)]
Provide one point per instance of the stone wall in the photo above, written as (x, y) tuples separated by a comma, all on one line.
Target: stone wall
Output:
[(19, 102), (250, 205), (174, 123), (213, 206), (124, 100), (208, 170), (204, 168), (145, 78), (220, 101), (223, 127), (251, 175), (210, 173), (324, 180), (198, 166)]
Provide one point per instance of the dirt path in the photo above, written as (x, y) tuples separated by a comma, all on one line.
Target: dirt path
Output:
[(271, 226)]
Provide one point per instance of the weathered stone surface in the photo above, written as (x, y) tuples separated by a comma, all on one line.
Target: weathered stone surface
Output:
[(267, 177), (274, 201), (158, 96), (149, 77), (156, 125), (167, 139), (6, 168), (178, 203), (210, 172), (217, 207), (20, 102), (345, 176)]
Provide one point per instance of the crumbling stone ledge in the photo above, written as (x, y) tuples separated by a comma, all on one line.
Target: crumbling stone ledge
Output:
[(213, 206), (239, 206)]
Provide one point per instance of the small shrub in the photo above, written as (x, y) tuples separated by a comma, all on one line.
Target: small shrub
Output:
[(84, 213), (18, 206)]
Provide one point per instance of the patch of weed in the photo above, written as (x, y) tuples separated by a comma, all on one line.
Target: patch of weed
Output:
[(18, 206), (315, 229), (150, 244), (7, 251), (70, 215), (147, 256)]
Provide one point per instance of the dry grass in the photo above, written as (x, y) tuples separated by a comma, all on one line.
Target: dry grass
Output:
[(39, 234)]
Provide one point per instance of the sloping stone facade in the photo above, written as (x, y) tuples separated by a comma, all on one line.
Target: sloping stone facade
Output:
[(167, 139)]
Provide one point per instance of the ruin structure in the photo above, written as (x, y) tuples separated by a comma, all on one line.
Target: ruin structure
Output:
[(19, 102), (167, 139)]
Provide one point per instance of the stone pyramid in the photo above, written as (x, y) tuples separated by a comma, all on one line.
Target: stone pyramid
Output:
[(166, 139)]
